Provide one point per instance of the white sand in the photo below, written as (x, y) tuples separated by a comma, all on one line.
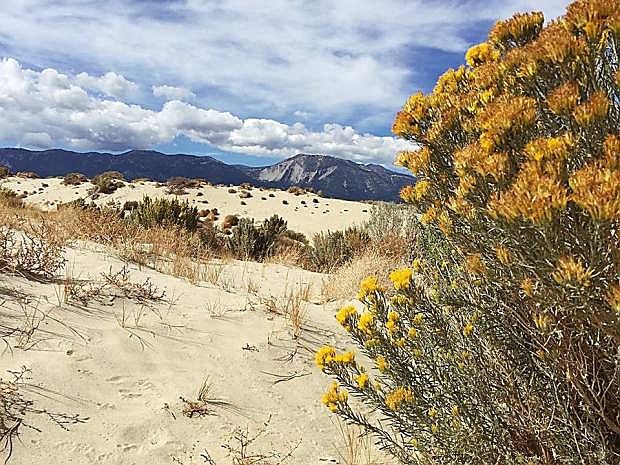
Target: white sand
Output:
[(317, 214), (122, 378)]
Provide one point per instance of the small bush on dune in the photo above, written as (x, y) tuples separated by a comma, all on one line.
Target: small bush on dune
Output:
[(108, 182), (250, 241), (74, 179), (27, 174), (4, 172), (151, 213), (178, 184), (334, 249), (500, 343), (9, 199)]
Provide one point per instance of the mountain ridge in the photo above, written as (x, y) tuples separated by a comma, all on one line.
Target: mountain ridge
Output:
[(335, 177)]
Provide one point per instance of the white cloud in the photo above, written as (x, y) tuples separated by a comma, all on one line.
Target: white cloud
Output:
[(110, 84), (323, 57), (172, 92), (48, 108)]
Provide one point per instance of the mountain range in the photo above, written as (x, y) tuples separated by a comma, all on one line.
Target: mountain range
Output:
[(334, 177)]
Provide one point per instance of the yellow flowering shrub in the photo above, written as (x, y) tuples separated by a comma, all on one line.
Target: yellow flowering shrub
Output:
[(501, 343)]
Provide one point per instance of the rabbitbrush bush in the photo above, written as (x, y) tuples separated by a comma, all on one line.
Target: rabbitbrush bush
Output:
[(501, 344)]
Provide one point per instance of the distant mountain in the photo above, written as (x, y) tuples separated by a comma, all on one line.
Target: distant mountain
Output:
[(335, 177)]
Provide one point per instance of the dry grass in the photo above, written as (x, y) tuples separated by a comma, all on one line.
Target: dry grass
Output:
[(343, 283), (356, 447)]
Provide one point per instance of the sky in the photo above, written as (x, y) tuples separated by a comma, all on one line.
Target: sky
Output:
[(244, 81)]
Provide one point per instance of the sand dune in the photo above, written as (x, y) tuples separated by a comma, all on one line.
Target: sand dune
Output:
[(307, 213), (126, 363)]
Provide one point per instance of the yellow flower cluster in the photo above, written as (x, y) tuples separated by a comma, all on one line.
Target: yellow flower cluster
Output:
[(517, 30), (415, 161), (596, 189), (324, 356), (392, 320), (401, 278), (382, 363), (563, 99), (327, 356), (366, 323), (552, 149), (503, 254), (368, 286), (613, 298), (335, 397), (481, 53), (346, 315), (475, 264), (472, 158), (527, 286), (506, 115), (429, 215), (361, 380), (415, 193), (534, 196), (595, 109), (571, 270), (468, 329), (407, 122), (593, 17), (395, 399), (451, 81)]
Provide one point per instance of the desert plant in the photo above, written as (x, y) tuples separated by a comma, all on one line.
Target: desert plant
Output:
[(16, 411), (150, 213), (73, 179), (107, 182), (501, 345), (4, 172), (334, 249), (27, 174), (9, 199), (178, 184), (249, 241)]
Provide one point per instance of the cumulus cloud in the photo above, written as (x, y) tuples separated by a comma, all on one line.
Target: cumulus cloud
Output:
[(337, 60), (47, 108), (172, 92), (110, 84)]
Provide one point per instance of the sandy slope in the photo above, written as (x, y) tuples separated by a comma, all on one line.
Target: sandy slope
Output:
[(102, 371), (313, 215)]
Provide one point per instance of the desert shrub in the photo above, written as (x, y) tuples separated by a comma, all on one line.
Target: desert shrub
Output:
[(10, 199), (150, 213), (27, 174), (73, 179), (177, 185), (35, 251), (211, 237), (4, 172), (256, 242), (501, 344), (387, 219), (230, 221), (333, 249), (108, 182)]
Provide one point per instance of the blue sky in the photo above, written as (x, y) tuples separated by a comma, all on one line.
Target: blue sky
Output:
[(244, 81)]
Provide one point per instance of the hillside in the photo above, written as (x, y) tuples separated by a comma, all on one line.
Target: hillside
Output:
[(335, 177)]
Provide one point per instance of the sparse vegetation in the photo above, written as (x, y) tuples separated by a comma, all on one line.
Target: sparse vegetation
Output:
[(74, 179), (108, 182), (151, 213)]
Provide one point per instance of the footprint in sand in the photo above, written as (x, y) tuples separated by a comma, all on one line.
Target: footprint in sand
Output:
[(126, 447), (115, 379)]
